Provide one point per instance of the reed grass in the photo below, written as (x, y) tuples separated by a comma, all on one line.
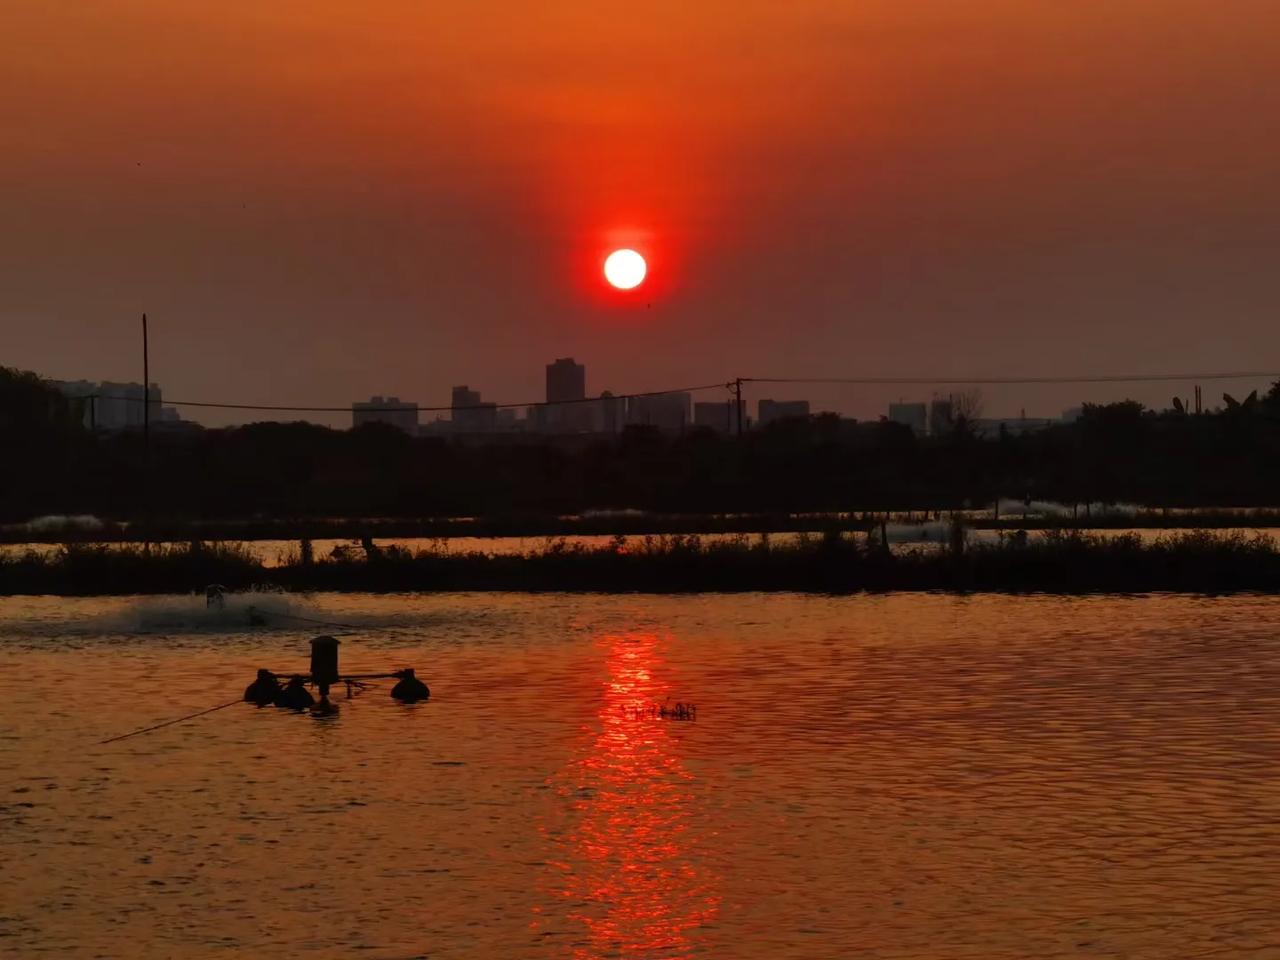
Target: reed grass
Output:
[(1055, 561)]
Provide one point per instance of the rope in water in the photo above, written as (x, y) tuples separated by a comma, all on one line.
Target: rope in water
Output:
[(169, 723), (322, 623)]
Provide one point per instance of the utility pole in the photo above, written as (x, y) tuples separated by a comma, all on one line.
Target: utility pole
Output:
[(146, 392), (146, 431), (737, 390)]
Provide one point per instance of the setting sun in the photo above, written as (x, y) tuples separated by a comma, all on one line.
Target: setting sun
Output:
[(625, 269)]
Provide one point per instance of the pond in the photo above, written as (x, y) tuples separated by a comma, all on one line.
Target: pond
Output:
[(905, 776)]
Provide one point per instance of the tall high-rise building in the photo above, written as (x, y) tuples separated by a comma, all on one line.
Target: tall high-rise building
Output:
[(470, 414), (566, 380), (463, 396), (566, 388)]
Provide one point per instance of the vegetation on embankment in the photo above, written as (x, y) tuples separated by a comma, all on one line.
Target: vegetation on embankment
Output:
[(1056, 561), (623, 523)]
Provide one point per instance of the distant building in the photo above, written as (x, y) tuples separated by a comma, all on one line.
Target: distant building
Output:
[(566, 388), (713, 415), (771, 411), (609, 413), (465, 397), (913, 415), (482, 419), (391, 410), (113, 406), (566, 381), (1072, 414), (941, 416), (470, 414), (668, 412), (120, 405)]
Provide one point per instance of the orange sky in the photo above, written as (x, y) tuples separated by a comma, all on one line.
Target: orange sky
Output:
[(335, 199)]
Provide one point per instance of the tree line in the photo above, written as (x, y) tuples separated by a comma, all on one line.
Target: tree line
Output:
[(1115, 453)]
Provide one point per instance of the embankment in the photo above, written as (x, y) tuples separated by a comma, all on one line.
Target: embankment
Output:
[(1052, 561)]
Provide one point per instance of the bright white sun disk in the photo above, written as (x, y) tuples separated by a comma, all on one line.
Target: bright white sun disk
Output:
[(625, 269)]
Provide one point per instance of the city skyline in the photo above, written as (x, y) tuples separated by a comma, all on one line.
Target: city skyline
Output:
[(569, 407)]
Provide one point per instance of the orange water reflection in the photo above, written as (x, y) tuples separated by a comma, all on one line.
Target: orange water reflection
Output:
[(627, 868)]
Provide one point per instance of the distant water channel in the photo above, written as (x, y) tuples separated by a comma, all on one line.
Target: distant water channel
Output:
[(903, 776)]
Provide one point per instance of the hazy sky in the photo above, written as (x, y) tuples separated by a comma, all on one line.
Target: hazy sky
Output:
[(316, 201)]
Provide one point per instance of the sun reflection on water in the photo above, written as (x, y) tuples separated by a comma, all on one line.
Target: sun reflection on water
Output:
[(626, 867)]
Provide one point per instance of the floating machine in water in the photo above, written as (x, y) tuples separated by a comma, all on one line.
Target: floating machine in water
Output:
[(324, 674), (410, 689), (295, 695), (265, 690)]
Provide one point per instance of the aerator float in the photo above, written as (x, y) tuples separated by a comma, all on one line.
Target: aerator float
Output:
[(267, 690)]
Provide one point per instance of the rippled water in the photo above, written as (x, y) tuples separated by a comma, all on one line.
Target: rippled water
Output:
[(908, 776)]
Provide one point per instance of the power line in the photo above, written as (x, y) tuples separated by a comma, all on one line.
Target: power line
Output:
[(976, 381), (729, 385), (367, 409)]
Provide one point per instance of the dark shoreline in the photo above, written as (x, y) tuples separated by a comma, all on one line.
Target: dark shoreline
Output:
[(1061, 562), (619, 523)]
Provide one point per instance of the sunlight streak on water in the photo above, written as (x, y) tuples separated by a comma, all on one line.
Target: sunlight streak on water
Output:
[(630, 870)]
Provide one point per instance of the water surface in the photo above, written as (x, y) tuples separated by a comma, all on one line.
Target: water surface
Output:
[(908, 776)]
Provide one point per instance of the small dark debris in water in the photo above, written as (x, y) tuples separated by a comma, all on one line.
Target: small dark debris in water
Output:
[(653, 711)]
